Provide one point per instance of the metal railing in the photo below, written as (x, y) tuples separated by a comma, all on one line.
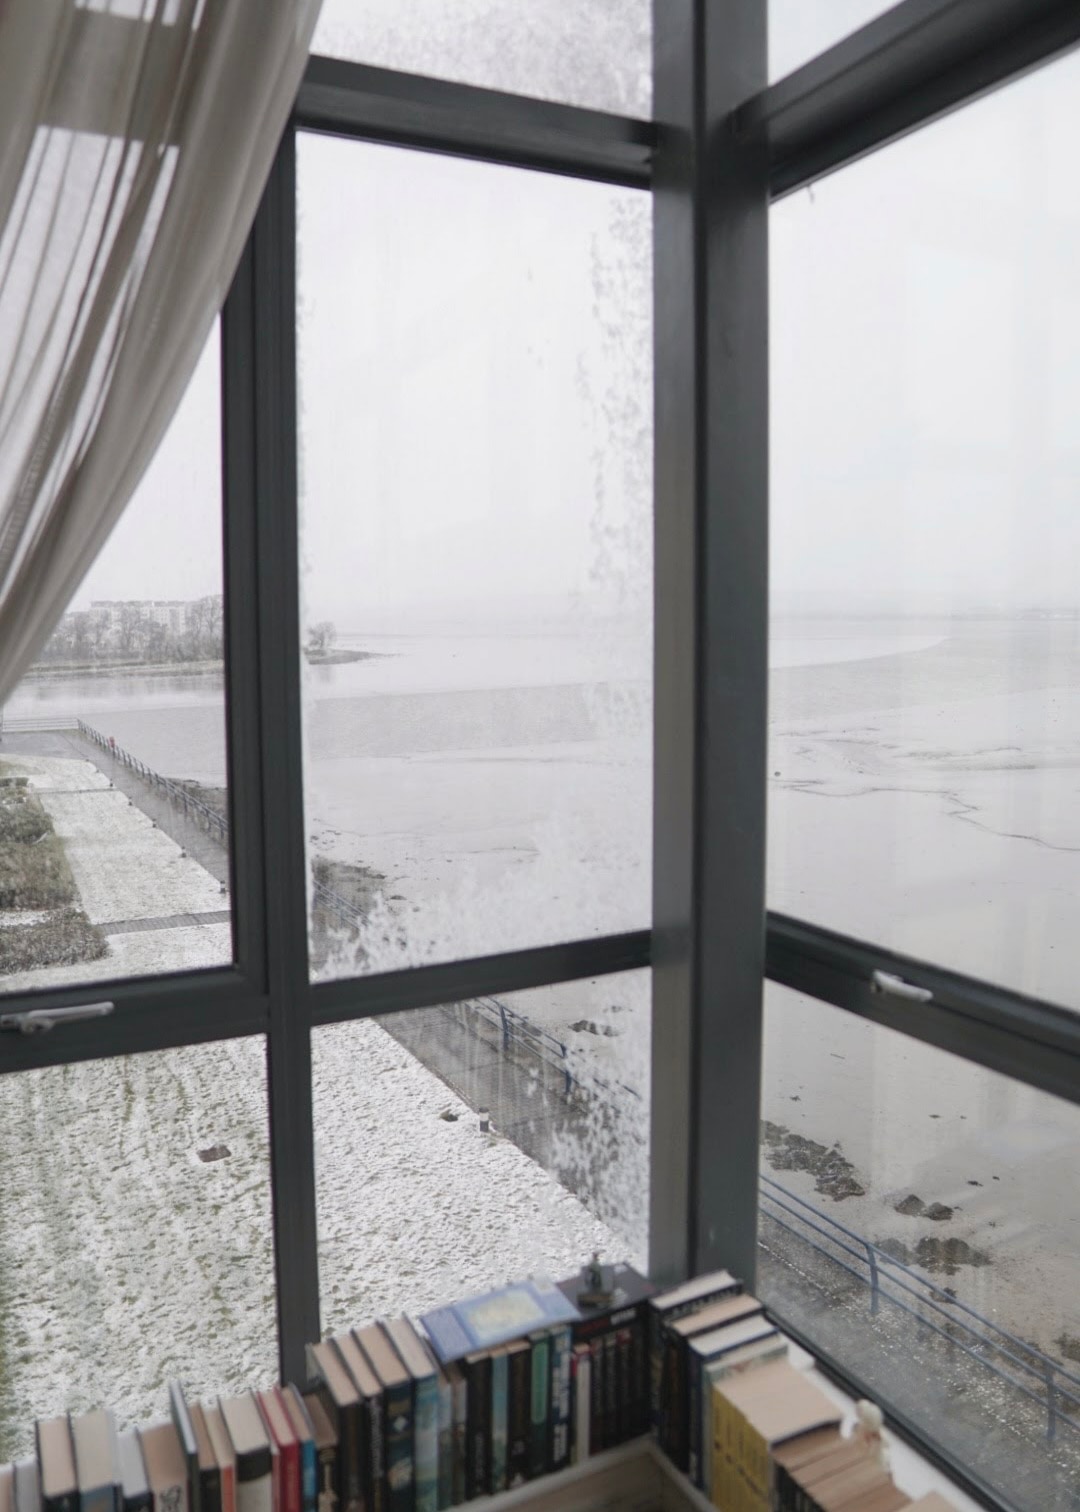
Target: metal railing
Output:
[(33, 723), (193, 809), (1024, 1368)]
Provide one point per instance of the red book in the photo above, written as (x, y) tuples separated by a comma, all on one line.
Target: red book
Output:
[(286, 1451)]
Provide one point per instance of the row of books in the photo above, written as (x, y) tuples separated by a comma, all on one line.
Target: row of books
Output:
[(747, 1427), (481, 1396)]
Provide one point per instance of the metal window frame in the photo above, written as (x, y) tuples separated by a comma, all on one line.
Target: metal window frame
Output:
[(721, 146)]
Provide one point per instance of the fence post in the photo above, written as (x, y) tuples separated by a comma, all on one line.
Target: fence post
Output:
[(505, 1027), (872, 1259), (1051, 1405)]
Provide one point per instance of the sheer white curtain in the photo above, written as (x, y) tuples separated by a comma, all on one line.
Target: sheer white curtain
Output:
[(135, 140)]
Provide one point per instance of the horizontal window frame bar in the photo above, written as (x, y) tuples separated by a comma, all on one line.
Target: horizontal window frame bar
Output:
[(479, 976), (903, 70), (1020, 1037), (898, 1422), (157, 1013), (438, 115)]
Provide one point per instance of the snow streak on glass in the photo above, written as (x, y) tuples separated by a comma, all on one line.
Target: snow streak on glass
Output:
[(461, 1147), (800, 29), (920, 1220), (135, 1235), (596, 53), (926, 544), (476, 539), (114, 828)]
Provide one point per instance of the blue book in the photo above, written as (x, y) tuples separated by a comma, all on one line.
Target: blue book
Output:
[(421, 1368), (300, 1419), (561, 1350), (500, 1402), (462, 1328)]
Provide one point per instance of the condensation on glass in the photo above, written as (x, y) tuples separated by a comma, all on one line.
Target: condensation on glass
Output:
[(920, 1221), (596, 53), (800, 29), (114, 834), (926, 544), (463, 1146), (476, 541), (135, 1235)]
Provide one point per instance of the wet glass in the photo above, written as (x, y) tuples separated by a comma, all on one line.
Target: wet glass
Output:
[(926, 545), (464, 1146), (476, 541), (596, 53), (114, 831), (920, 1222), (136, 1239)]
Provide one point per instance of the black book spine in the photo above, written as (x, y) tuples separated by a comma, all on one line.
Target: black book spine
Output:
[(374, 1450), (397, 1420), (210, 1488), (597, 1440), (349, 1478), (478, 1427), (561, 1353), (520, 1385), (694, 1371), (68, 1502), (639, 1380), (611, 1390)]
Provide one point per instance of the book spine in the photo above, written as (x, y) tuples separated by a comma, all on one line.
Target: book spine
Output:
[(639, 1380), (500, 1414), (254, 1495), (309, 1476), (539, 1406), (373, 1440), (460, 1393), (350, 1471), (445, 1451), (289, 1455), (100, 1499), (582, 1396), (478, 1432), (611, 1386), (228, 1488), (693, 1417), (561, 1351), (398, 1430), (519, 1408), (624, 1386), (326, 1497), (655, 1344), (209, 1490), (426, 1410)]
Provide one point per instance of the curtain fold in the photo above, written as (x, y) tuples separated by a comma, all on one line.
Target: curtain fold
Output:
[(135, 142)]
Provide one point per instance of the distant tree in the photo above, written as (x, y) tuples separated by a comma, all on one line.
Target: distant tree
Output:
[(321, 636)]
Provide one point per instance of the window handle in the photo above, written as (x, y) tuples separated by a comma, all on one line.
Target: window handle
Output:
[(888, 981), (41, 1020)]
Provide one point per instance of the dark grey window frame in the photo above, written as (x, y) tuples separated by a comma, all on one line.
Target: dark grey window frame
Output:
[(722, 145)]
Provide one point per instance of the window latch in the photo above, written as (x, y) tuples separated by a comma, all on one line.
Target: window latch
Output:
[(888, 981), (41, 1020)]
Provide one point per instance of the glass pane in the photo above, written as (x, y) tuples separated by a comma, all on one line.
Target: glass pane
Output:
[(926, 544), (476, 520), (596, 53), (920, 1221), (800, 29), (419, 1204), (136, 1236), (113, 817)]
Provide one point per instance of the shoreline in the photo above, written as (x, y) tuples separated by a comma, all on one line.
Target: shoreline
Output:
[(86, 670)]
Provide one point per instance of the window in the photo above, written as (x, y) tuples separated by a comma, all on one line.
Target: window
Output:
[(525, 875)]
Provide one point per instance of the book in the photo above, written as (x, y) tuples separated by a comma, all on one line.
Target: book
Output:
[(798, 1487), (27, 1485), (477, 1371), (702, 1350), (667, 1307), (425, 1405), (371, 1426), (300, 1421), (674, 1390), (224, 1456), (933, 1501), (181, 1416), (561, 1347), (540, 1404), (134, 1487), (798, 1454), (396, 1386), (581, 1367), (459, 1396), (519, 1407), (284, 1450), (7, 1488), (621, 1320), (751, 1414), (326, 1453), (341, 1400), (746, 1357), (166, 1467), (97, 1461), (500, 1417), (496, 1317), (251, 1446), (56, 1464), (207, 1470), (445, 1452)]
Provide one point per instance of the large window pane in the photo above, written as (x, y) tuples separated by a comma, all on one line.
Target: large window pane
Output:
[(800, 29), (419, 1204), (135, 1234), (477, 545), (113, 817), (926, 544), (920, 1221), (580, 52)]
